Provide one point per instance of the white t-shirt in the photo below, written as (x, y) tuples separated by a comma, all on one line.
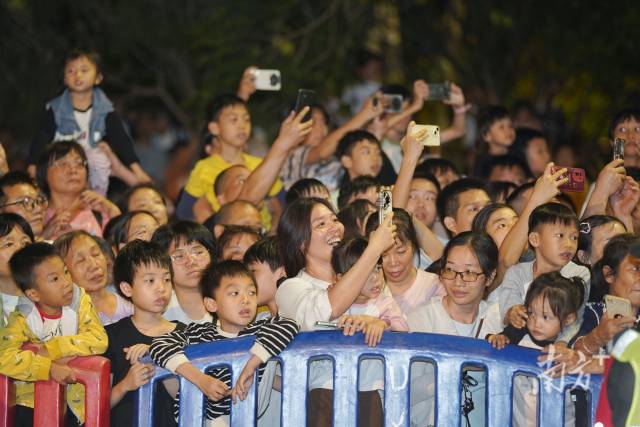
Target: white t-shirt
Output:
[(9, 303), (175, 312), (99, 163)]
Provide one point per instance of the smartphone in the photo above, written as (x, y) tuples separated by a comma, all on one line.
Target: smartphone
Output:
[(306, 98), (391, 102), (618, 149), (439, 91), (617, 307), (332, 325), (267, 79), (385, 203), (432, 137), (576, 179)]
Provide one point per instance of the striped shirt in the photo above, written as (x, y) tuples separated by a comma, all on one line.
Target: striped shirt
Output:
[(272, 336)]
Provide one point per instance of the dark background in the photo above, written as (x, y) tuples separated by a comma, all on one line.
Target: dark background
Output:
[(575, 62)]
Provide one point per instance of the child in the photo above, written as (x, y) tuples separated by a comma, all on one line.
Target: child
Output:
[(552, 304), (531, 146), (264, 262), (15, 234), (145, 197), (230, 292), (83, 113), (626, 125), (423, 192), (360, 154), (235, 240), (89, 270), (595, 232), (354, 218), (444, 170), (363, 187), (191, 248), (130, 226), (459, 202), (143, 273), (230, 124), (553, 235), (506, 168), (55, 315)]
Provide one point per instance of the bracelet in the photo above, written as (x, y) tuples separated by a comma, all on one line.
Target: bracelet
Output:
[(461, 109)]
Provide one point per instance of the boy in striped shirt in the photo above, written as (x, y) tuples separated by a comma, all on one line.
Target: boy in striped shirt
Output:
[(230, 293)]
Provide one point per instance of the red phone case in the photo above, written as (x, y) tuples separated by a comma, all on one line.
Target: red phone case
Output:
[(576, 179)]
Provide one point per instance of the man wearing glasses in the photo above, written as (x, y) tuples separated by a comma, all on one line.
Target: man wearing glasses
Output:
[(20, 195)]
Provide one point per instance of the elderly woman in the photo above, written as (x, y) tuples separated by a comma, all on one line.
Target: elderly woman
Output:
[(62, 175)]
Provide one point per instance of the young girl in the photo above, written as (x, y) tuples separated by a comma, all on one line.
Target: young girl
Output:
[(87, 265), (15, 234), (595, 232), (130, 226), (235, 240), (552, 303), (354, 217), (467, 268), (495, 219), (145, 197), (409, 286), (191, 248)]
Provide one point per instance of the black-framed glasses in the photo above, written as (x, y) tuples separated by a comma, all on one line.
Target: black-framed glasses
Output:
[(448, 273), (28, 203)]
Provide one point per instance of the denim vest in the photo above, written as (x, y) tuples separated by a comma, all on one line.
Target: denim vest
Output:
[(66, 126)]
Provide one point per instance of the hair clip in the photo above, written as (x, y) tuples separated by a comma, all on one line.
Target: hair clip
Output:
[(584, 227)]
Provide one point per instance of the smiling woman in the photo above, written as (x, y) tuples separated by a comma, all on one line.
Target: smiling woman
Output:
[(307, 234)]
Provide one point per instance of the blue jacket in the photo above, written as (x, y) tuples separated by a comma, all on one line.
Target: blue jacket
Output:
[(66, 125)]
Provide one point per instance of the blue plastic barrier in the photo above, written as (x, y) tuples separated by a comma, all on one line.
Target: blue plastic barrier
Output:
[(450, 354)]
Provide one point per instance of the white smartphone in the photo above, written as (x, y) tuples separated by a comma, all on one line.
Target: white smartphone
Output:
[(385, 203), (332, 325), (617, 307), (267, 79), (432, 137)]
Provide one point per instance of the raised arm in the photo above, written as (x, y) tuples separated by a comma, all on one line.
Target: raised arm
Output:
[(457, 103), (610, 179), (411, 151), (292, 132)]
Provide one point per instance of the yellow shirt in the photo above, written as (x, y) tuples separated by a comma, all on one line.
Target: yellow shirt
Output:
[(206, 171)]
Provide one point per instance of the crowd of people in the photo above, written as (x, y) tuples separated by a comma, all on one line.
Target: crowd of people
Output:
[(271, 246)]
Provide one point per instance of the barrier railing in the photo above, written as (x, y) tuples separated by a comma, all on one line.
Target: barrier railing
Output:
[(50, 397), (398, 350)]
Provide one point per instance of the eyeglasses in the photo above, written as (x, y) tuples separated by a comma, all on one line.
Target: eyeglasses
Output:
[(69, 164), (467, 276), (181, 257), (28, 203)]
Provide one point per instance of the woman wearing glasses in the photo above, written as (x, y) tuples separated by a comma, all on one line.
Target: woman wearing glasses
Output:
[(467, 268), (62, 174), (191, 248)]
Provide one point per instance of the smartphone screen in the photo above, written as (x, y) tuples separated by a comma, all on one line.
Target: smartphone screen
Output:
[(306, 98)]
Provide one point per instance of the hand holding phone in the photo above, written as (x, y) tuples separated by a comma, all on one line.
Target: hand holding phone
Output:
[(391, 103), (385, 203), (431, 136), (576, 177), (267, 79), (618, 149), (617, 307), (306, 98), (439, 91)]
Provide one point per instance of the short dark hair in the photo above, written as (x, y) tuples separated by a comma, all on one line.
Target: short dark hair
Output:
[(213, 275), (135, 255), (219, 103), (9, 221), (92, 55), (586, 227), (347, 253), (405, 231), (488, 116), (622, 116), (500, 190), (14, 178), (427, 176), (518, 192), (614, 252), (265, 251), (294, 232), (481, 219), (552, 213), (126, 196), (302, 188), (231, 231), (437, 165), (350, 139), (353, 215), (24, 262), (185, 232), (503, 161), (565, 295), (524, 136), (117, 229), (448, 199), (359, 184), (52, 152), (481, 244)]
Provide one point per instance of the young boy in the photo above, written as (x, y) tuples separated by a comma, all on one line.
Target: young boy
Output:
[(264, 262), (553, 236), (363, 187), (83, 113), (230, 292), (58, 318), (459, 202), (496, 133), (143, 273), (360, 154)]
